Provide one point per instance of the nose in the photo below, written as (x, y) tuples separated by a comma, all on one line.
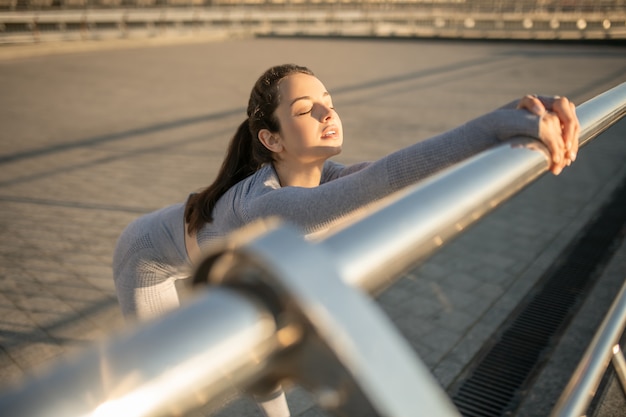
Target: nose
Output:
[(326, 113)]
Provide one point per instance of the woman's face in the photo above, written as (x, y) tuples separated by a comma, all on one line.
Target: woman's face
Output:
[(310, 128)]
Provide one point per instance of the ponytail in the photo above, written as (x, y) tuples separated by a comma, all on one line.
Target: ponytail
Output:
[(246, 154), (241, 161)]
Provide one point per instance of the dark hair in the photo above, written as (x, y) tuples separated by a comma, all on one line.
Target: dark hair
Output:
[(245, 154)]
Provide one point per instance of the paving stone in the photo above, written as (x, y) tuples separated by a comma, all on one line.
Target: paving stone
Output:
[(462, 281), (119, 147), (448, 371)]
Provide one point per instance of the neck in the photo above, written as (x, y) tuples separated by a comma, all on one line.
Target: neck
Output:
[(307, 176)]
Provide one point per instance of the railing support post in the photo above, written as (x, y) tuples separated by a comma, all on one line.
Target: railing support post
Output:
[(585, 380), (620, 365)]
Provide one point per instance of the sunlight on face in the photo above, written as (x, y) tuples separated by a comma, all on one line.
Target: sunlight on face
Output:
[(310, 128)]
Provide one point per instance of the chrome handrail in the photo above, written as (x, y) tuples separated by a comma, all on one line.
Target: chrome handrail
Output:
[(603, 349), (230, 338), (424, 217)]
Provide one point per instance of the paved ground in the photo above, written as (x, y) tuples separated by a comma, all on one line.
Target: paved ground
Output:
[(91, 139)]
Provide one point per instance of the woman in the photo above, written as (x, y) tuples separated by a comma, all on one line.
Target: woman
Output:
[(278, 165)]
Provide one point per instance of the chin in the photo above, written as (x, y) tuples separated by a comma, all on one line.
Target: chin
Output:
[(335, 150)]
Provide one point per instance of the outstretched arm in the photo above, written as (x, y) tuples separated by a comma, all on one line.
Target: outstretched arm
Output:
[(315, 208), (558, 130)]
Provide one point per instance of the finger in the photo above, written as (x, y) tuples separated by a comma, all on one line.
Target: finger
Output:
[(566, 112), (551, 135), (567, 118), (532, 104), (573, 151)]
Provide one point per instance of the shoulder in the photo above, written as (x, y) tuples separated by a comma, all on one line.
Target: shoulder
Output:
[(331, 170), (261, 182), (334, 170), (231, 210)]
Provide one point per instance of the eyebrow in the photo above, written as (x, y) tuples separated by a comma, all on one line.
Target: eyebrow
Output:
[(326, 94)]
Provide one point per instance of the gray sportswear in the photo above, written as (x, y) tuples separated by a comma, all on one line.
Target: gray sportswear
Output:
[(151, 254)]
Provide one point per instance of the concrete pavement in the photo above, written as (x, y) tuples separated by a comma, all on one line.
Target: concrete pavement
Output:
[(92, 139)]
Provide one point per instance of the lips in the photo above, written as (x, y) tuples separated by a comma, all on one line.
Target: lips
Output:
[(330, 132)]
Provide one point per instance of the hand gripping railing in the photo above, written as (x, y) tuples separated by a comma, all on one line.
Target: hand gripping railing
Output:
[(278, 308)]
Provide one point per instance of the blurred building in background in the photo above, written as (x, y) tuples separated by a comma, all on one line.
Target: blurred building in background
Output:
[(39, 20)]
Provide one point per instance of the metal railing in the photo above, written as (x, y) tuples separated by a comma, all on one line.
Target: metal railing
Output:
[(603, 349), (274, 307)]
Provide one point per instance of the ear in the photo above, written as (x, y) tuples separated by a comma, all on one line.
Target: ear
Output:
[(270, 140)]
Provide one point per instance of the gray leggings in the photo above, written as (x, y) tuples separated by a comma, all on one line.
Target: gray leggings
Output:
[(145, 275)]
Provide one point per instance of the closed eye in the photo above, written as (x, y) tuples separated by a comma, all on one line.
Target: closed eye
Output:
[(302, 113)]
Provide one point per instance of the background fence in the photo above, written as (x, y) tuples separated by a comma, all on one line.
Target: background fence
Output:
[(489, 6), (37, 20)]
